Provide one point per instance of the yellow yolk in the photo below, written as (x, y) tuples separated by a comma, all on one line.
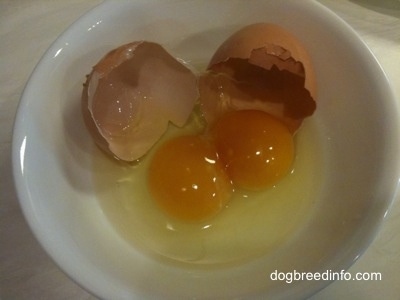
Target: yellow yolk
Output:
[(187, 180), (256, 148)]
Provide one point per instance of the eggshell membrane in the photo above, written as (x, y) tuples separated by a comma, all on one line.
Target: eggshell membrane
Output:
[(264, 67), (132, 94)]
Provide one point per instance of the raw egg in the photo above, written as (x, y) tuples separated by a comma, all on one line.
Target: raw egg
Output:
[(257, 89), (251, 224), (202, 193), (256, 148), (187, 179)]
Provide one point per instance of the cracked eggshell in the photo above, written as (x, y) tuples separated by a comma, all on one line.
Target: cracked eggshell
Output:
[(132, 94), (251, 41), (262, 66)]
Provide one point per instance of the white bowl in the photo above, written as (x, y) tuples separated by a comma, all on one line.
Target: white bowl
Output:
[(357, 119)]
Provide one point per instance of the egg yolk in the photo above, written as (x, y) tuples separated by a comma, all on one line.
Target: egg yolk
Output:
[(187, 179), (256, 148)]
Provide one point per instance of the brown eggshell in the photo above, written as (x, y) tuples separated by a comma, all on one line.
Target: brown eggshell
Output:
[(132, 94), (274, 40), (264, 67)]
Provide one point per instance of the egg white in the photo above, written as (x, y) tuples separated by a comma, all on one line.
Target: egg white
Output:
[(251, 225)]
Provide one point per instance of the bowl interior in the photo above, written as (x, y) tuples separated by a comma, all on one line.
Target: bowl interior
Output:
[(357, 127)]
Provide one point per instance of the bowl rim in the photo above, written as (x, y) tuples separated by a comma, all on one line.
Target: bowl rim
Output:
[(19, 143)]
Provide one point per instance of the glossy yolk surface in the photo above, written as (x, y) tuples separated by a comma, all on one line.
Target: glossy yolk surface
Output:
[(256, 148), (187, 180)]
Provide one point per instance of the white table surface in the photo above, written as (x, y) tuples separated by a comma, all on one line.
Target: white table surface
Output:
[(27, 28)]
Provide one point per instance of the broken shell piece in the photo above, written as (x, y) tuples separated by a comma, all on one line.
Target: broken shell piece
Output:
[(131, 95), (251, 40), (263, 67)]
